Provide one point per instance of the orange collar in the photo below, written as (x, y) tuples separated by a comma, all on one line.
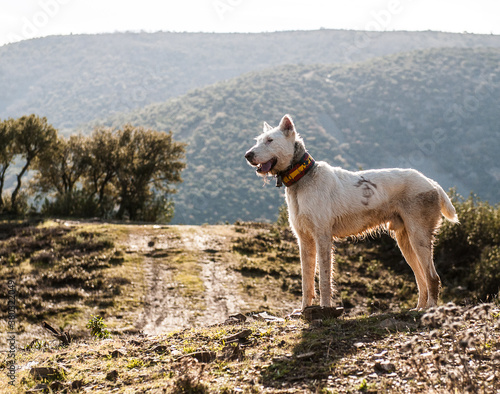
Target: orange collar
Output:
[(292, 175)]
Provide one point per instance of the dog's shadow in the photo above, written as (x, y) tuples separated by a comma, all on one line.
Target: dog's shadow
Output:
[(344, 344)]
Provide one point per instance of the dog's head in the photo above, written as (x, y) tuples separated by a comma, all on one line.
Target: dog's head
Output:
[(274, 149)]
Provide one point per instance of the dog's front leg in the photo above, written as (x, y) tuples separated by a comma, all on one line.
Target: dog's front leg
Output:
[(324, 249), (307, 248)]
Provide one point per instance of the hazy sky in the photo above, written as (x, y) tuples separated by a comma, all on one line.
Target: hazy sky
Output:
[(25, 19)]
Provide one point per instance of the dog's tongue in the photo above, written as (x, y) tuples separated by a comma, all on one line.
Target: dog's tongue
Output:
[(266, 167)]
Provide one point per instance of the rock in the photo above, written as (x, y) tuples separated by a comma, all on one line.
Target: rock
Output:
[(202, 357), (45, 372), (117, 354), (315, 312), (112, 375), (77, 384), (296, 314), (264, 316), (239, 336), (236, 318), (56, 386), (384, 366), (159, 349), (381, 354)]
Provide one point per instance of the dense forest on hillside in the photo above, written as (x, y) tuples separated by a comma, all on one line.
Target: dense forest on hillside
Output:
[(434, 110), (75, 79)]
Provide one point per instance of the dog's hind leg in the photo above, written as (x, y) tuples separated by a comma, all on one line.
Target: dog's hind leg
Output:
[(422, 242), (412, 259), (307, 248), (324, 251)]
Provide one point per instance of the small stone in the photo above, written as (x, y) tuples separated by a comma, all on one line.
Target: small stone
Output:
[(112, 375), (116, 354), (44, 372), (236, 318), (312, 313), (159, 349), (56, 386), (267, 317), (202, 357), (238, 336), (77, 384), (384, 366)]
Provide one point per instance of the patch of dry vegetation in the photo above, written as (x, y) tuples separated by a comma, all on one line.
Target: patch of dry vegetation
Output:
[(449, 348), (378, 345)]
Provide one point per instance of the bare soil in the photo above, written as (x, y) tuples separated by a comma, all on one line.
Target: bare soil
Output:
[(166, 306)]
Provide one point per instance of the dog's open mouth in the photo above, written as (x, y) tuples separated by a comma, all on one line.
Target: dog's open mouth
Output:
[(264, 168)]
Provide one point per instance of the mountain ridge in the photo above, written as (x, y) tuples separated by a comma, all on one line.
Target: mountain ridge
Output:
[(75, 79), (433, 110)]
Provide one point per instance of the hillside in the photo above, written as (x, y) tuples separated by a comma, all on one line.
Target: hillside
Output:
[(75, 79), (202, 309), (433, 110)]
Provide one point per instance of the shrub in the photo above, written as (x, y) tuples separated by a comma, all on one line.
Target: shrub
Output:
[(468, 254)]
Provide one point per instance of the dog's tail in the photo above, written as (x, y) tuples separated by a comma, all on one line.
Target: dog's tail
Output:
[(447, 208)]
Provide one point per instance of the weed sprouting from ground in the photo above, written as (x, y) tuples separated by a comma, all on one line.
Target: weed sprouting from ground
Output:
[(97, 328)]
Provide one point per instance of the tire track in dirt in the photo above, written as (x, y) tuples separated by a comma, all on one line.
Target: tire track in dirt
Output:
[(165, 308)]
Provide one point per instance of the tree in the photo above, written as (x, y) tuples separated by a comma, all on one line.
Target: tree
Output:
[(60, 168), (6, 153), (101, 150), (58, 171), (33, 137), (148, 163)]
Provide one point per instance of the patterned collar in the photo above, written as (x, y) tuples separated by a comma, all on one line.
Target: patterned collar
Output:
[(293, 174)]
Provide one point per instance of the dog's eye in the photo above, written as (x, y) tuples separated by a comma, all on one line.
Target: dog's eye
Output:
[(268, 141)]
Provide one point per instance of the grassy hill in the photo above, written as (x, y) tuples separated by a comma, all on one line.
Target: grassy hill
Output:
[(434, 110), (75, 79), (166, 294)]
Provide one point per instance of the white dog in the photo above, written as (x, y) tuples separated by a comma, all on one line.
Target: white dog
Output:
[(328, 203)]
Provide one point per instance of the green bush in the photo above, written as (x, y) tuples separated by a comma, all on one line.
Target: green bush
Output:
[(468, 255)]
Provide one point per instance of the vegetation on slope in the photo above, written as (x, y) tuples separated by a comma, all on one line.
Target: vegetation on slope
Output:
[(433, 110), (67, 273), (75, 79), (450, 349)]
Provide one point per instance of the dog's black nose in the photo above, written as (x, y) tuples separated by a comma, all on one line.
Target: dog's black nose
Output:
[(249, 155)]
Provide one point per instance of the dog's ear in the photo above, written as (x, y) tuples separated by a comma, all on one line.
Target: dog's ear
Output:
[(266, 127), (287, 126)]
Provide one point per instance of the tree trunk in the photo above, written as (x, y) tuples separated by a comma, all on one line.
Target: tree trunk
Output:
[(13, 198), (2, 181)]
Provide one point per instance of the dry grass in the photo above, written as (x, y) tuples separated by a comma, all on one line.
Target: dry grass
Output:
[(377, 346), (448, 349)]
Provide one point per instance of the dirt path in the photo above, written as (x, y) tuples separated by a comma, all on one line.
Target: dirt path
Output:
[(165, 308)]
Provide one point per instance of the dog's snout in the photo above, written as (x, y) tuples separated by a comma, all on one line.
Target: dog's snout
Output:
[(249, 156)]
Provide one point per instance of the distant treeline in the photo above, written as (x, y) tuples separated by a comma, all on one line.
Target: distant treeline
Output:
[(124, 173)]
